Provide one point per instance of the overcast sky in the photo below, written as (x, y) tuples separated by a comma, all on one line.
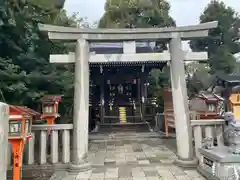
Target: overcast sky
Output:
[(185, 12)]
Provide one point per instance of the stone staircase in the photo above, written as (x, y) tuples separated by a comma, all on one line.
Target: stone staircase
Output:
[(122, 115), (124, 127)]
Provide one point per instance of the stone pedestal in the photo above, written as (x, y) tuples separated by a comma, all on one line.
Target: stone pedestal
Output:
[(217, 163)]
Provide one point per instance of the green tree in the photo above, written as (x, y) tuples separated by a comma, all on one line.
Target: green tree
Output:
[(25, 71), (136, 13), (140, 14), (198, 78), (222, 42), (54, 4)]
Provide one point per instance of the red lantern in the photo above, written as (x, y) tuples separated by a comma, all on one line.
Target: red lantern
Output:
[(50, 107), (20, 126)]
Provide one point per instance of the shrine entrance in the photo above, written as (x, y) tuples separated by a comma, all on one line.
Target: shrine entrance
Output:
[(117, 92), (121, 92)]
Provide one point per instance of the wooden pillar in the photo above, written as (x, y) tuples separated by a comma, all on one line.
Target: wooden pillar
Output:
[(143, 98), (102, 100), (139, 89)]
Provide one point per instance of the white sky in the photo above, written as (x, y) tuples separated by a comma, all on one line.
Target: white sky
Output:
[(185, 12)]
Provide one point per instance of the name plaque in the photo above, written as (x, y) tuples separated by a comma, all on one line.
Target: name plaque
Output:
[(208, 162)]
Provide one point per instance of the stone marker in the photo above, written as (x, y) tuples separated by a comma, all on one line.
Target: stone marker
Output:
[(3, 140)]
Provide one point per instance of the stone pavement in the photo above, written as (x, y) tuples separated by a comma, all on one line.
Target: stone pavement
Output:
[(133, 156)]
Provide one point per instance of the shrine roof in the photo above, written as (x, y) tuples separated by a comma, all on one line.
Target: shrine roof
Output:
[(29, 111), (209, 96), (51, 98), (197, 104), (22, 110), (232, 78), (236, 89)]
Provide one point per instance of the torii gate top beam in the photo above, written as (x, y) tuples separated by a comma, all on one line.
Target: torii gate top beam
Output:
[(69, 33)]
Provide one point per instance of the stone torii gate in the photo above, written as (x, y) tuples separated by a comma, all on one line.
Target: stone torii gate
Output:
[(82, 58)]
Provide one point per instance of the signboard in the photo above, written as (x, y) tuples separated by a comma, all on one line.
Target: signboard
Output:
[(208, 162)]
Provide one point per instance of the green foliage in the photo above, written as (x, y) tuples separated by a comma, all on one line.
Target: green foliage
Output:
[(221, 42), (53, 4), (159, 79), (140, 14), (25, 71), (222, 61), (198, 77)]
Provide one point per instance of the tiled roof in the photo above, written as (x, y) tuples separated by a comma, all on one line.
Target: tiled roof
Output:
[(209, 96), (51, 98), (230, 78)]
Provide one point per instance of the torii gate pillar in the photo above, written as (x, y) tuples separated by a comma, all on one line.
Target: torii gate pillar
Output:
[(180, 105), (81, 107)]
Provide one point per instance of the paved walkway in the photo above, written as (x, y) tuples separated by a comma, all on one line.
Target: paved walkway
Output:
[(133, 156)]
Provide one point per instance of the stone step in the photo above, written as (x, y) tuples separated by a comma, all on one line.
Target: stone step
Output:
[(124, 127), (34, 172)]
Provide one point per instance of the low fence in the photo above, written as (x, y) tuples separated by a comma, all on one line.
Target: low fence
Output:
[(201, 129), (50, 144), (211, 128), (169, 119)]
